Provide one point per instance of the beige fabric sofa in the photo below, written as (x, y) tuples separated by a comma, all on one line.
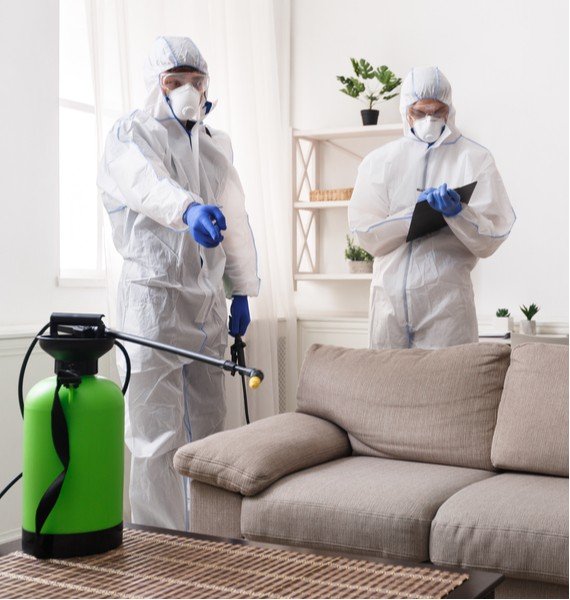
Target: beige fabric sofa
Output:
[(457, 456)]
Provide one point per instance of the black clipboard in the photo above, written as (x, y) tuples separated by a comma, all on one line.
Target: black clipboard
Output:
[(427, 220)]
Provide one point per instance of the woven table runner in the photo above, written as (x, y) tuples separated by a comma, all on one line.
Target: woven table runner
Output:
[(156, 565)]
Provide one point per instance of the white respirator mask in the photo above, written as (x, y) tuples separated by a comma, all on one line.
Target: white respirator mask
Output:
[(429, 128), (186, 103)]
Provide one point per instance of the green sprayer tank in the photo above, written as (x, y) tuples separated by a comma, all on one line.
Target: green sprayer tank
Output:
[(73, 454)]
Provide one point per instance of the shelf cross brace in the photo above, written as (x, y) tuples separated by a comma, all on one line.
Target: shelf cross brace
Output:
[(305, 246), (306, 165)]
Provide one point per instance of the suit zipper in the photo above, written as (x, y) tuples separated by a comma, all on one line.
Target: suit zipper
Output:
[(409, 330)]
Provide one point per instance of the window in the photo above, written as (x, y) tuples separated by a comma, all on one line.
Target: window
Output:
[(81, 248)]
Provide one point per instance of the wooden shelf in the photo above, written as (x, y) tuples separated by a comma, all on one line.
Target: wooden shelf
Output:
[(361, 131), (333, 276), (327, 204), (307, 153)]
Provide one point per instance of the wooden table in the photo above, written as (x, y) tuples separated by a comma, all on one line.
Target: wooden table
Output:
[(481, 584)]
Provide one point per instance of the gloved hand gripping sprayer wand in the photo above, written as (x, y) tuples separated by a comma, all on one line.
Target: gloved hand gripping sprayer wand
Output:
[(74, 438)]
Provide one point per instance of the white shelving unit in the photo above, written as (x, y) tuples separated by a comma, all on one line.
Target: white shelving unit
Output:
[(317, 205), (339, 133), (332, 276), (307, 172)]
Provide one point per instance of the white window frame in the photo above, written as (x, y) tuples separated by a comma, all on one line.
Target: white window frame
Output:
[(85, 277)]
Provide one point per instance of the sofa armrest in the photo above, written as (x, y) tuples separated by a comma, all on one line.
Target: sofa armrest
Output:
[(249, 459)]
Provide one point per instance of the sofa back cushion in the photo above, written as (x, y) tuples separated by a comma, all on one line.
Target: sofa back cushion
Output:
[(437, 406), (532, 422)]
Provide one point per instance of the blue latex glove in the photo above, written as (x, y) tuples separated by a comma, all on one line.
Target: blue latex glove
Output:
[(444, 200), (204, 224), (424, 195), (239, 316)]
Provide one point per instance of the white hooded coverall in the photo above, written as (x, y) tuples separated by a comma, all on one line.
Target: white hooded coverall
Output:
[(171, 288), (421, 294)]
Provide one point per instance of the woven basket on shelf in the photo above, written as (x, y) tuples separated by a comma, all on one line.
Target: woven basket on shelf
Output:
[(330, 195)]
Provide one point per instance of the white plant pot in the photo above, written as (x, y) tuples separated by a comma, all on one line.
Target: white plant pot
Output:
[(503, 324), (528, 327), (359, 266)]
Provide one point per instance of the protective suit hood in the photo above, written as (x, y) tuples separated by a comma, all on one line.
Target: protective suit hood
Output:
[(428, 82), (167, 53)]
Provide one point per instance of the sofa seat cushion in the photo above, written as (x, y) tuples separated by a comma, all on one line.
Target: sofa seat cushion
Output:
[(358, 504), (513, 523)]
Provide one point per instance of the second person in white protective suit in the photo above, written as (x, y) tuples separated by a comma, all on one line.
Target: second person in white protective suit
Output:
[(177, 212), (421, 293)]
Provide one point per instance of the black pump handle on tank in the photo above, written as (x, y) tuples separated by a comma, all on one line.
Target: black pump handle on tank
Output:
[(91, 325), (84, 320)]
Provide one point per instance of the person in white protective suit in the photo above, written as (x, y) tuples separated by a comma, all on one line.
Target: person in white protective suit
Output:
[(421, 294), (177, 212)]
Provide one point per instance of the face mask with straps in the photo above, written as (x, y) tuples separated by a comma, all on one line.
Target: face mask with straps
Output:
[(428, 124), (186, 94)]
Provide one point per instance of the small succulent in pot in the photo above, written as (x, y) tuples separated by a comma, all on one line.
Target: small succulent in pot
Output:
[(503, 320), (359, 261), (528, 326)]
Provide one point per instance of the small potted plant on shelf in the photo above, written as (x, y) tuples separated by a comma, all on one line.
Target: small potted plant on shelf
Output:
[(374, 85), (528, 326), (359, 261), (503, 320)]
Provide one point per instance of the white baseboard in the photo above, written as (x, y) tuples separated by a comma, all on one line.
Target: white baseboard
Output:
[(10, 535)]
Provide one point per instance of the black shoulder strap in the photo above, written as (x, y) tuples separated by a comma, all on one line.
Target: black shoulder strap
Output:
[(60, 437)]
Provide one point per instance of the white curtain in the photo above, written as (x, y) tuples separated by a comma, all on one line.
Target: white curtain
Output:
[(246, 44)]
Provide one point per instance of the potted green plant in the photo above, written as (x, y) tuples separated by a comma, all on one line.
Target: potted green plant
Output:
[(374, 85), (359, 261), (503, 320), (528, 326)]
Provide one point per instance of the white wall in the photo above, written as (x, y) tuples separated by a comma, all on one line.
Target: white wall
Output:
[(508, 65)]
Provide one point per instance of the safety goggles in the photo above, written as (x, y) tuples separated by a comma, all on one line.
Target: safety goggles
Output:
[(171, 81), (440, 113)]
